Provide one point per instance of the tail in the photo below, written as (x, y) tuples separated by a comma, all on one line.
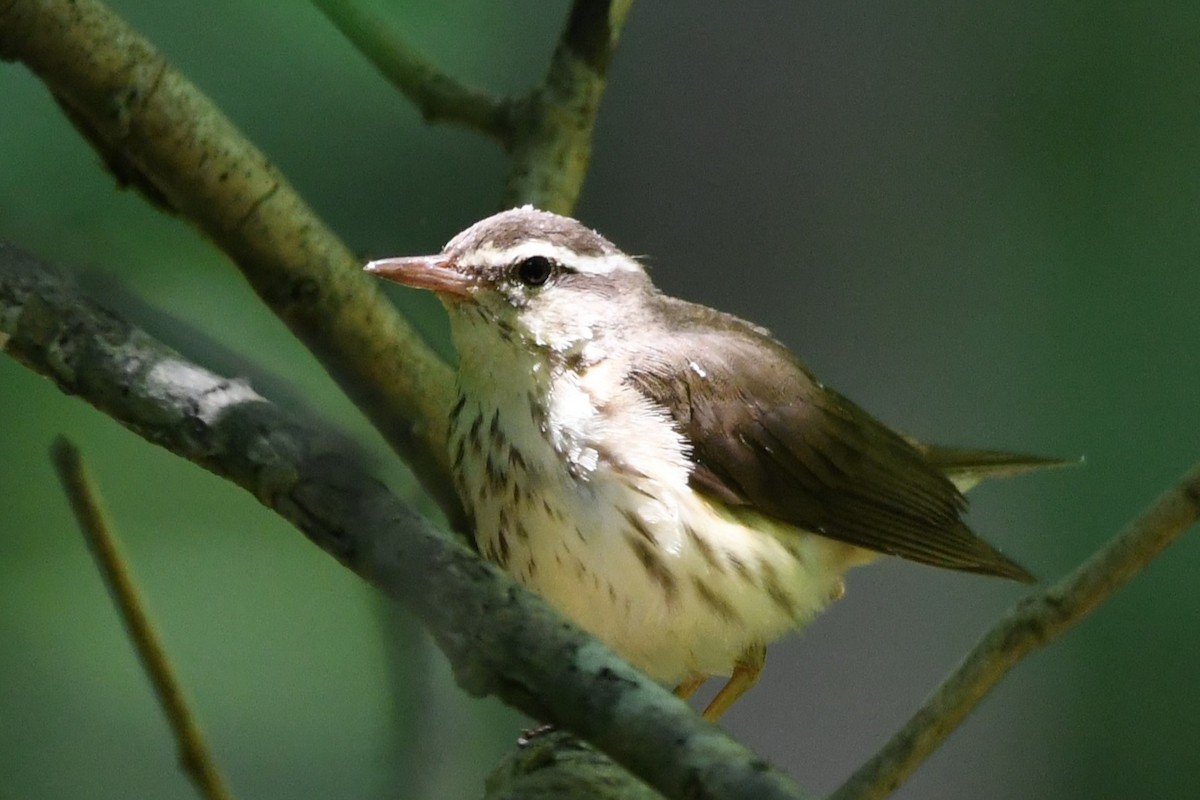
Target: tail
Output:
[(965, 467)]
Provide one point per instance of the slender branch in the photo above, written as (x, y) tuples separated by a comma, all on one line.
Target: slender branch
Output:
[(125, 98), (1035, 622), (499, 638), (439, 96), (85, 502), (553, 140)]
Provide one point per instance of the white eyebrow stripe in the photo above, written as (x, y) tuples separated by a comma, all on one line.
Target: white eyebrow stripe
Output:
[(593, 265)]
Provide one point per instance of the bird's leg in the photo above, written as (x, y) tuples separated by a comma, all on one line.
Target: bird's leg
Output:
[(689, 685), (745, 675)]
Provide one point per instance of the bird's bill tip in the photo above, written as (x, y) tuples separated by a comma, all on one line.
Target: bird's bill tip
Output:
[(435, 273)]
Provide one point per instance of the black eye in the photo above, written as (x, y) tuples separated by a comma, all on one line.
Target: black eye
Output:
[(535, 270)]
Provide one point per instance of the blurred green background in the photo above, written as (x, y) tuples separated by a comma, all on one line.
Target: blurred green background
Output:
[(980, 222)]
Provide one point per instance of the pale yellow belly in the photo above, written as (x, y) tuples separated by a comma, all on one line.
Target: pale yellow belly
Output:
[(670, 582)]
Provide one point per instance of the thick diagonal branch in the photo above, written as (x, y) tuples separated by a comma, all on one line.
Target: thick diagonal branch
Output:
[(498, 637), (127, 100)]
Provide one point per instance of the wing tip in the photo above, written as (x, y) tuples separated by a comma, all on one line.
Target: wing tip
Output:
[(1005, 567), (983, 558), (978, 465)]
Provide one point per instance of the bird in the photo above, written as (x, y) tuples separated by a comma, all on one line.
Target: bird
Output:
[(670, 477)]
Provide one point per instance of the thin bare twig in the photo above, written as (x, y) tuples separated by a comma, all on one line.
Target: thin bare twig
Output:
[(194, 755), (439, 96), (1034, 622)]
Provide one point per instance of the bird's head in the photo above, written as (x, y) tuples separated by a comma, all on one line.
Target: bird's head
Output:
[(542, 282)]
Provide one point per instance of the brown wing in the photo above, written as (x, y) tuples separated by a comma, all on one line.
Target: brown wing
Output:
[(766, 435)]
